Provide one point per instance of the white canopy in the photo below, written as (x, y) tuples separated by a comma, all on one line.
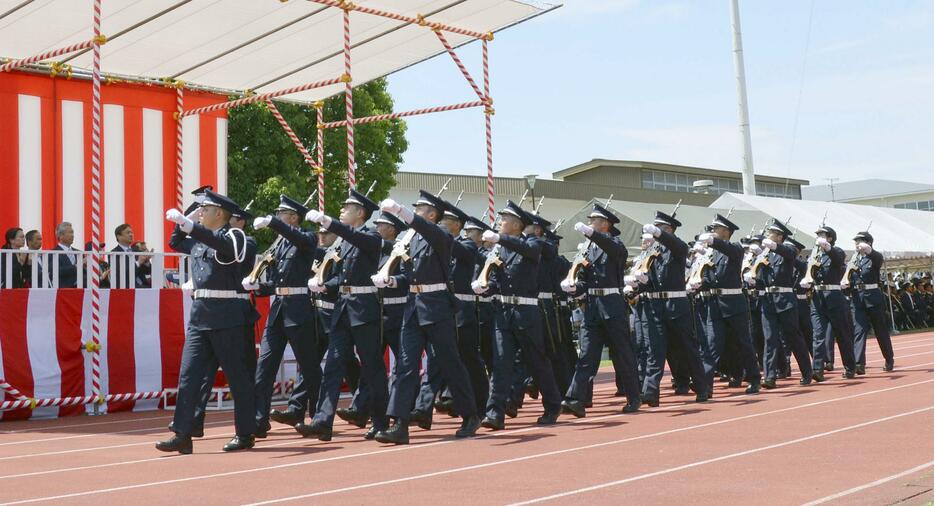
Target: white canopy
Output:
[(260, 45)]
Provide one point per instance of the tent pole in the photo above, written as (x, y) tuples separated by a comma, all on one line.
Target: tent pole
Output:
[(96, 236), (488, 116), (319, 109), (348, 99)]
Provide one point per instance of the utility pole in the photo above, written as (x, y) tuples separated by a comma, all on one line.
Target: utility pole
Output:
[(831, 180), (749, 175)]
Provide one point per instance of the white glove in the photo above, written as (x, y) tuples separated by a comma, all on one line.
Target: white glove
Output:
[(630, 281), (195, 215), (648, 228), (314, 287), (648, 237), (844, 283), (176, 216), (699, 247), (476, 287), (583, 229), (642, 277), (694, 286), (568, 287), (490, 236), (262, 222), (627, 290), (390, 206), (864, 248), (770, 244), (247, 285), (706, 238), (379, 281), (824, 244), (318, 217), (748, 277), (755, 249), (188, 285), (804, 284)]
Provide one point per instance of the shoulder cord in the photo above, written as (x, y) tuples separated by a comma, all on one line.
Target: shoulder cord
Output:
[(239, 254)]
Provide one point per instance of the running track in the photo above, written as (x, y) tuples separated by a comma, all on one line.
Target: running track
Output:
[(863, 441)]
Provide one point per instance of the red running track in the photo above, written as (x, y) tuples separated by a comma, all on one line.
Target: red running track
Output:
[(864, 441)]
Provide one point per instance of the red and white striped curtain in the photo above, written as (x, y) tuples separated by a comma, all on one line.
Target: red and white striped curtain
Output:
[(45, 155)]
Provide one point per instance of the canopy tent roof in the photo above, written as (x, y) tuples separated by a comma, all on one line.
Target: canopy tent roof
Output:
[(232, 46)]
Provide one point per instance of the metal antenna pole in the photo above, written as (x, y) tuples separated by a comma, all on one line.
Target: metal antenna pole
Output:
[(749, 175)]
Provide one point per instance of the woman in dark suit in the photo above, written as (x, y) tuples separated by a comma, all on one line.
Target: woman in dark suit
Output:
[(13, 240)]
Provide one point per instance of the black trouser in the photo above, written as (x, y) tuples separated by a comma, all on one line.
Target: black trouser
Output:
[(249, 352), (829, 320), (731, 329), (307, 353), (663, 331), (863, 317), (557, 350), (595, 334), (361, 396), (784, 324), (203, 350)]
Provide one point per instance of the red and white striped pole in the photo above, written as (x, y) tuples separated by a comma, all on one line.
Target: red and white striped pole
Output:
[(46, 55), (319, 109), (405, 114), (348, 98), (179, 143), (488, 115), (96, 236), (460, 65), (291, 133)]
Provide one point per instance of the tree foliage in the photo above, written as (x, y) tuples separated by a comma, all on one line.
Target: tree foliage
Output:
[(263, 162)]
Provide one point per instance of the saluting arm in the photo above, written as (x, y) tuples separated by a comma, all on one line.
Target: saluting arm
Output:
[(614, 250), (304, 241), (369, 243), (528, 249)]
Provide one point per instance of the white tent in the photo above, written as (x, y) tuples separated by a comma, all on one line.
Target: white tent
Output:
[(259, 45)]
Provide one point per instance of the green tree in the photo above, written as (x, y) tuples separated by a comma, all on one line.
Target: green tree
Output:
[(263, 162)]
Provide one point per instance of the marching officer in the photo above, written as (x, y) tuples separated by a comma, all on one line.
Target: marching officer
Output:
[(474, 229), (804, 307), (671, 312), (780, 305), (726, 309), (356, 320), (606, 314), (868, 303), (428, 319), (828, 305), (517, 319), (215, 327), (290, 315)]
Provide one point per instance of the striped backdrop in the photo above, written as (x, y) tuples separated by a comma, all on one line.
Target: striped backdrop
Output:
[(45, 155)]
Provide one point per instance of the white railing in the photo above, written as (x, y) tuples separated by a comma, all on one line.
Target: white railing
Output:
[(71, 269)]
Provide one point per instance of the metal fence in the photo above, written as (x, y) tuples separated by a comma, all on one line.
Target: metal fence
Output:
[(72, 269)]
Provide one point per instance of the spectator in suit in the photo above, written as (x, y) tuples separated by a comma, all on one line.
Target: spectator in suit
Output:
[(120, 264), (143, 266), (67, 273), (14, 239), (104, 267), (33, 242)]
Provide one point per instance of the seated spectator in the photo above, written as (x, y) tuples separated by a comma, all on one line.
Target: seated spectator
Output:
[(14, 239)]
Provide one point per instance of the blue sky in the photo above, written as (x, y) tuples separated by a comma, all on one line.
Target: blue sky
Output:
[(653, 80)]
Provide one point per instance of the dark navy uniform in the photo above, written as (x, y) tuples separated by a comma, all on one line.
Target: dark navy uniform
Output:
[(606, 318), (779, 310), (518, 323), (829, 308), (726, 312), (801, 293), (671, 315), (215, 325), (869, 304), (548, 288), (290, 314)]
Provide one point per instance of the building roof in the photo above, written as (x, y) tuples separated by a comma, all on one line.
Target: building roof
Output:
[(863, 189), (639, 164)]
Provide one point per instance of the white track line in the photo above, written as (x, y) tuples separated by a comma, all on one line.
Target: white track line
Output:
[(876, 483), (721, 458), (448, 441)]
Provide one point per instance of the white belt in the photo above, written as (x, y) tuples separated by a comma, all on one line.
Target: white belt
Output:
[(778, 289), (600, 292), (518, 301), (826, 288), (466, 297), (323, 304), (353, 290), (871, 286), (563, 303), (220, 294), (725, 291), (437, 287), (485, 299), (291, 290), (666, 295), (545, 295), (802, 296), (395, 300)]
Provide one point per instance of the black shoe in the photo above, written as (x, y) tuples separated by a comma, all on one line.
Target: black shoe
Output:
[(262, 429), (548, 418), (371, 434), (651, 402), (240, 443), (753, 388), (573, 407), (532, 390), (398, 434), (314, 429), (352, 416), (195, 431), (735, 383), (468, 427), (769, 384), (619, 393), (828, 367), (442, 406), (681, 390), (848, 374), (511, 410), (588, 404), (175, 444), (493, 423), (889, 366), (420, 418), (287, 417), (818, 376), (704, 397), (861, 370), (805, 380), (632, 406)]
